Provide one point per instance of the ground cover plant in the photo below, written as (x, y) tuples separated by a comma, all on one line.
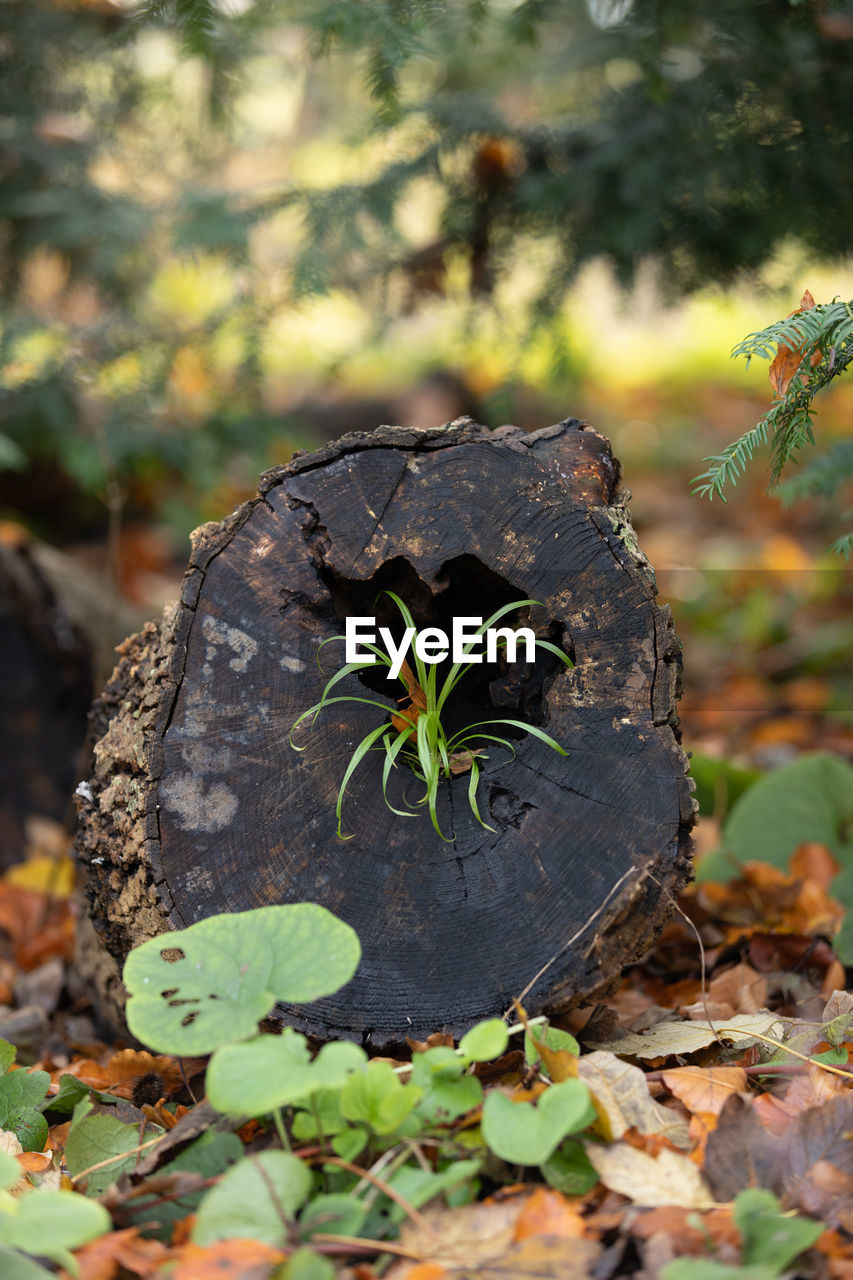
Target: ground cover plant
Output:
[(518, 1151), (417, 734)]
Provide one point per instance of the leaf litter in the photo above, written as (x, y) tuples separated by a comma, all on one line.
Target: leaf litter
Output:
[(720, 1121)]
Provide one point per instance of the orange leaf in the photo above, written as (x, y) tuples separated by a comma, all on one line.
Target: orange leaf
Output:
[(235, 1259), (548, 1213), (126, 1069), (121, 1251), (34, 1161), (705, 1089), (427, 1271), (788, 359), (417, 703), (813, 861)]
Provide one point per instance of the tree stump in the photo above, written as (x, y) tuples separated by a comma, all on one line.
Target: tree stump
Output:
[(198, 803), (58, 629)]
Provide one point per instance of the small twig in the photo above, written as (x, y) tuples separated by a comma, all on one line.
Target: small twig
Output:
[(187, 1084), (532, 983), (356, 1244), (757, 1069), (409, 1209), (285, 1221), (102, 1164), (777, 1044), (685, 917)]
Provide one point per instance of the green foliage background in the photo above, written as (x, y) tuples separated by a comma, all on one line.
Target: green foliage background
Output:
[(183, 178)]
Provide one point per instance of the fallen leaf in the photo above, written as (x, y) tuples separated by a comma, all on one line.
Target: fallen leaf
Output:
[(669, 1038), (818, 1138), (814, 861), (668, 1178), (705, 1089), (690, 1235), (773, 1112), (40, 927), (120, 1251), (620, 1094), (129, 1069), (548, 1213), (788, 359), (702, 1123), (240, 1258), (43, 874), (811, 1088), (482, 1239), (741, 987), (740, 1152)]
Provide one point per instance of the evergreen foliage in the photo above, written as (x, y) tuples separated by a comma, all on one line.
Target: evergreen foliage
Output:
[(822, 337)]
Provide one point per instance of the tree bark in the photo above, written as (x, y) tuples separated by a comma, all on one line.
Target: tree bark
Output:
[(199, 804)]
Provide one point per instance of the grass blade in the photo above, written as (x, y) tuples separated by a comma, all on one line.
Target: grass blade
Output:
[(392, 750), (557, 651), (355, 760), (472, 794)]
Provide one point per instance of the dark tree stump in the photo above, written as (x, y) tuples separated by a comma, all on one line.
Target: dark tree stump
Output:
[(58, 629), (200, 805)]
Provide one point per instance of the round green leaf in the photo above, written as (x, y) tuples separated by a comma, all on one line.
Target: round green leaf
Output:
[(522, 1133), (201, 987), (337, 1213), (305, 1264), (254, 1199), (48, 1223), (10, 1170), (267, 1072), (375, 1096), (484, 1042)]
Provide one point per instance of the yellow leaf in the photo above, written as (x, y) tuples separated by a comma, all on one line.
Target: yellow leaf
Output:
[(53, 876)]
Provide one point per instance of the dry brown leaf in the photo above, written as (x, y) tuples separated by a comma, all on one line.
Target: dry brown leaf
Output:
[(705, 1089), (465, 1237), (535, 1236), (742, 987), (669, 1038), (236, 1259), (121, 1252), (667, 1178), (621, 1096), (838, 1003), (40, 927), (811, 1088), (740, 1153), (548, 1213), (691, 1237), (788, 360), (773, 1112), (702, 1123), (126, 1069), (813, 861)]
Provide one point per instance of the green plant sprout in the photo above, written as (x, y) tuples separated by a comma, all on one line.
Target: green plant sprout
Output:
[(417, 734)]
